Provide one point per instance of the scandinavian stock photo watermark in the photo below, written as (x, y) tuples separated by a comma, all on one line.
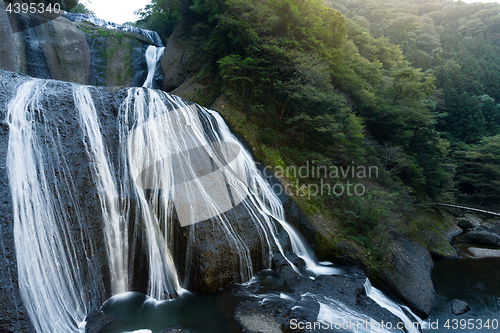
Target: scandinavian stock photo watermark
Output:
[(325, 180)]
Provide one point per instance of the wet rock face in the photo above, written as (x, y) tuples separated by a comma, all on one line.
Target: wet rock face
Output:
[(117, 58), (300, 302), (258, 323), (206, 259), (94, 270), (410, 278), (13, 315), (77, 52), (56, 49)]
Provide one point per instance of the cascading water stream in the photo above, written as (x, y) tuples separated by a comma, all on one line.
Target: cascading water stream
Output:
[(48, 270), (332, 314), (153, 36), (115, 221), (395, 309), (153, 55), (171, 150), (180, 166)]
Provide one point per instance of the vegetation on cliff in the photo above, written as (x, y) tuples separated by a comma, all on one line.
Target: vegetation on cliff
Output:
[(365, 84), (459, 43)]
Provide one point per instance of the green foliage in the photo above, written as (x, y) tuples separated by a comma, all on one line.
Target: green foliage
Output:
[(459, 44), (321, 79), (479, 172), (82, 9), (367, 219), (161, 16), (397, 84)]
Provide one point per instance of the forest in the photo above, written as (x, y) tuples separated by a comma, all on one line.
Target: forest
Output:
[(410, 87)]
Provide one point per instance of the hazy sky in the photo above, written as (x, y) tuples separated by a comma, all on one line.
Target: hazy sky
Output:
[(120, 11), (117, 11)]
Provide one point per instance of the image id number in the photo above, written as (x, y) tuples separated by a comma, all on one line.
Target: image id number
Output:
[(33, 8), (470, 324)]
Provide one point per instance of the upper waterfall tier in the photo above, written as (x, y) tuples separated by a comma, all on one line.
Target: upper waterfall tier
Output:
[(79, 51), (153, 36)]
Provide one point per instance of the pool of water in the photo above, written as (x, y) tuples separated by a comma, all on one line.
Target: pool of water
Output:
[(194, 313), (475, 281)]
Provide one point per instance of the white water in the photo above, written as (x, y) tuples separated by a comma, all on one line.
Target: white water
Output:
[(169, 151), (172, 155), (153, 55), (395, 309), (115, 223), (333, 314), (153, 36), (48, 269)]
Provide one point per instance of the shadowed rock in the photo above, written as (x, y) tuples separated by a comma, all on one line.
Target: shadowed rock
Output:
[(410, 275), (484, 238), (495, 229), (459, 307)]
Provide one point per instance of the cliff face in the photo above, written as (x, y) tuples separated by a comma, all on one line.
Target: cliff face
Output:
[(79, 52), (210, 254)]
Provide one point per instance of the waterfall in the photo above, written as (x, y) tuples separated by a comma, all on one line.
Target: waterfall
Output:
[(171, 158), (153, 36), (186, 155), (333, 314), (386, 303), (50, 275), (177, 166), (115, 222), (153, 56)]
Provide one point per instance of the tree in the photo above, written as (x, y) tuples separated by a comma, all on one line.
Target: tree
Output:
[(82, 8), (479, 171), (163, 15)]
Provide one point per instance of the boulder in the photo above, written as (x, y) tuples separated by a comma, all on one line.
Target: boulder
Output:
[(207, 260), (495, 229), (439, 246), (56, 49), (484, 253), (258, 323), (466, 223), (96, 321), (410, 275), (459, 307), (178, 62), (66, 51), (483, 237), (12, 57), (473, 218)]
